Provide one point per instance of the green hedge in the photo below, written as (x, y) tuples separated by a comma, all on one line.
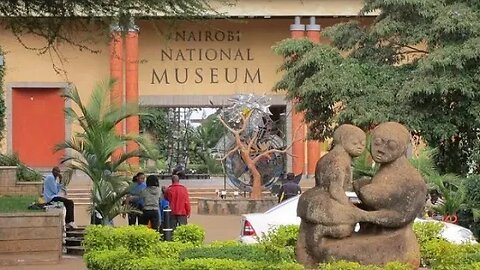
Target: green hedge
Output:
[(123, 259), (139, 248), (136, 239), (344, 265), (254, 253), (190, 233), (281, 236)]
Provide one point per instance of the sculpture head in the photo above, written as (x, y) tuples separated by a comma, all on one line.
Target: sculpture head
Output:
[(351, 138), (389, 142)]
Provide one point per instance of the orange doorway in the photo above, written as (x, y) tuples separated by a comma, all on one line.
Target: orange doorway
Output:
[(38, 124)]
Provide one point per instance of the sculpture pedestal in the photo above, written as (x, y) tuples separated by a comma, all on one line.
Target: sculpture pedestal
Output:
[(388, 246)]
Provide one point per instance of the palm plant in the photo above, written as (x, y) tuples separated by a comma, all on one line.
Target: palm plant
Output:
[(90, 150), (450, 186)]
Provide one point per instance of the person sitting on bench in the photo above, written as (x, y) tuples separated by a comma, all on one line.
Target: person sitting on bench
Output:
[(52, 193)]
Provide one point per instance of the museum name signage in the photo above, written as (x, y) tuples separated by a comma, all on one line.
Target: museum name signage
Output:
[(199, 63)]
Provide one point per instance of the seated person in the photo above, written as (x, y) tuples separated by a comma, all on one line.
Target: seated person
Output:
[(52, 192)]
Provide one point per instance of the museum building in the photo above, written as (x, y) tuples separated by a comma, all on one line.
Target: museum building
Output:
[(164, 63)]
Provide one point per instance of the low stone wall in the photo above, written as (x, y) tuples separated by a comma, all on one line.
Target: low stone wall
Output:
[(30, 238), (10, 186), (218, 206)]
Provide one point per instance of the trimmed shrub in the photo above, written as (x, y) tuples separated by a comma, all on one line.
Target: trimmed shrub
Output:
[(223, 264), (229, 243), (281, 236), (254, 253), (117, 259), (189, 233), (153, 263), (442, 255), (170, 250), (344, 265), (136, 239)]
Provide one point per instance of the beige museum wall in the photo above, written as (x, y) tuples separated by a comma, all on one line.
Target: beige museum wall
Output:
[(84, 69)]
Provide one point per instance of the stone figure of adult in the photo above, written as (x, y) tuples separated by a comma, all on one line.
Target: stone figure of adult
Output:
[(393, 198), (325, 210)]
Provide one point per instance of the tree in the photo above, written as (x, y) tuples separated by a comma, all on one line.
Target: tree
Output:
[(250, 150), (61, 21), (203, 139), (90, 150), (416, 63), (154, 122)]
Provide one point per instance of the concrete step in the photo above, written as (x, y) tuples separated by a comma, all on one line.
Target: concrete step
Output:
[(73, 241), (75, 250)]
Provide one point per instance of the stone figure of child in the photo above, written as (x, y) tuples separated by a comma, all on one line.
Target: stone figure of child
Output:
[(325, 210)]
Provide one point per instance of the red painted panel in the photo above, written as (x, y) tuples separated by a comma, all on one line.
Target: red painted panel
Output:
[(38, 122)]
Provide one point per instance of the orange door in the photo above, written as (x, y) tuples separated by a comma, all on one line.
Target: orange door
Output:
[(38, 122)]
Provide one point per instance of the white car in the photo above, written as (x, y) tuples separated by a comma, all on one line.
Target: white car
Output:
[(285, 213)]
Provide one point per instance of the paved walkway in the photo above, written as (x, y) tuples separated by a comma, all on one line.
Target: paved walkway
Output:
[(81, 181)]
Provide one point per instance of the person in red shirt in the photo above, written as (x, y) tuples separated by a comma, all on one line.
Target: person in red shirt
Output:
[(177, 196)]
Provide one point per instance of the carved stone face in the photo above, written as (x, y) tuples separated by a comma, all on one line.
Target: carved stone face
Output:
[(354, 144), (388, 143)]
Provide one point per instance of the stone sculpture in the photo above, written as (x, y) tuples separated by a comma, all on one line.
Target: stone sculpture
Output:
[(390, 202), (325, 209)]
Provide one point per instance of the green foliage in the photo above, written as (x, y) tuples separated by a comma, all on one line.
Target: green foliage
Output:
[(254, 253), (203, 140), (442, 255), (170, 250), (105, 259), (24, 173), (427, 231), (439, 254), (281, 236), (136, 239), (416, 63), (122, 259), (190, 233), (93, 147), (154, 123), (344, 265), (222, 264), (472, 188)]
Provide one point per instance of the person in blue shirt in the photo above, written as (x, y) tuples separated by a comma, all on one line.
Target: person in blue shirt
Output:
[(52, 192), (134, 198), (163, 204)]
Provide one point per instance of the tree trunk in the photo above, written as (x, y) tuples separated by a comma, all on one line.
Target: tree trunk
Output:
[(257, 178)]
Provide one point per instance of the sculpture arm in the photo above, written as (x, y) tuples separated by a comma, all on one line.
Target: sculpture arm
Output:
[(336, 189), (359, 183), (387, 218)]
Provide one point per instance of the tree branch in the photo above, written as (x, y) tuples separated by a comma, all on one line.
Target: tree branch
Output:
[(252, 140), (226, 125), (230, 153)]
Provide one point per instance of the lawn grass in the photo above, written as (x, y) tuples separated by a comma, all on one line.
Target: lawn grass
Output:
[(14, 204)]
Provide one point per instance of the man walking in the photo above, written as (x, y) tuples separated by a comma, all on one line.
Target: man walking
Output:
[(177, 196), (51, 193), (289, 189)]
